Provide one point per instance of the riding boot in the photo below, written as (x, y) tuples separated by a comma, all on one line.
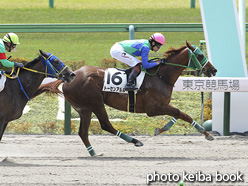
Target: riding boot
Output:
[(130, 86)]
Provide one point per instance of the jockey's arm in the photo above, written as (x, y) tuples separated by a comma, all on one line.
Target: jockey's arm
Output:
[(7, 63), (3, 59), (144, 58)]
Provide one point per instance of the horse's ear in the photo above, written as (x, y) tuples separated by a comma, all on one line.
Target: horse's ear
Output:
[(189, 45), (44, 54)]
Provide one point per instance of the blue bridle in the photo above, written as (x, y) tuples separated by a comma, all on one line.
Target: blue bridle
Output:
[(51, 69)]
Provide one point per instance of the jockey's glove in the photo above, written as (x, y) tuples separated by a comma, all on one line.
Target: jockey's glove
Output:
[(19, 65), (162, 60)]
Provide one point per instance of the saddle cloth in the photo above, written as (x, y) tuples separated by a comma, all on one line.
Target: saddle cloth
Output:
[(2, 82), (116, 79)]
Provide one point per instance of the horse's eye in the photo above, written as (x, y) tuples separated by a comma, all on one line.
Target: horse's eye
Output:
[(200, 57), (56, 62)]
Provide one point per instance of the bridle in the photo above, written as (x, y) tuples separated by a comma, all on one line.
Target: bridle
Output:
[(193, 63), (50, 71)]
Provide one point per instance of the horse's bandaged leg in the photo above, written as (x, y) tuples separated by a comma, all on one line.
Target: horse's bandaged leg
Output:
[(90, 150), (198, 127), (170, 124), (124, 136)]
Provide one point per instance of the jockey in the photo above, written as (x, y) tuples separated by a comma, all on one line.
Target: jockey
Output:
[(127, 51), (8, 43)]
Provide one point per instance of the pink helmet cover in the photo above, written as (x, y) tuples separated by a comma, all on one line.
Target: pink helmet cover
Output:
[(158, 37)]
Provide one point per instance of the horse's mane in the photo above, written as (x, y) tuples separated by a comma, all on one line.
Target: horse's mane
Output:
[(173, 51), (31, 63)]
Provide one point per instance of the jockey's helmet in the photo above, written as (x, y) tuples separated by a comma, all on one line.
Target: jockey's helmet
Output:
[(11, 38), (158, 37)]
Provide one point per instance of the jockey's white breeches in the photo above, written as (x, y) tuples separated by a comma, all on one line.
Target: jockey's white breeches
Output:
[(117, 52)]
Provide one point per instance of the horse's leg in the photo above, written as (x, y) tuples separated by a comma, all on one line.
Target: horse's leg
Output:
[(4, 127), (85, 118), (102, 116), (1, 132), (177, 114), (166, 127)]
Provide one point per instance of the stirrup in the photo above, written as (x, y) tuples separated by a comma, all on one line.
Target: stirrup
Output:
[(130, 88)]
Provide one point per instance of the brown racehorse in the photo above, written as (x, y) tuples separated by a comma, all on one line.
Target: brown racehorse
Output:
[(13, 99), (86, 96)]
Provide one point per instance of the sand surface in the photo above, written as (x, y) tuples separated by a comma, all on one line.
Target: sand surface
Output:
[(64, 161)]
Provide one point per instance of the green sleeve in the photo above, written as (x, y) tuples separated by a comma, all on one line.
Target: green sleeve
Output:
[(7, 63)]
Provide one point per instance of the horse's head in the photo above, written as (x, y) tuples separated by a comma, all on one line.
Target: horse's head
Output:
[(56, 67), (199, 61)]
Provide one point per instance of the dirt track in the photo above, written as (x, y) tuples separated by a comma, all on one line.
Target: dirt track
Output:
[(63, 160)]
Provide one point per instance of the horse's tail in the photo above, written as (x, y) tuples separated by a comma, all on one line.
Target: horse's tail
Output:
[(49, 88)]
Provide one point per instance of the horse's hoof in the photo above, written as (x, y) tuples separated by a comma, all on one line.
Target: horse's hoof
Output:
[(209, 137), (138, 144), (98, 155), (4, 159), (156, 132)]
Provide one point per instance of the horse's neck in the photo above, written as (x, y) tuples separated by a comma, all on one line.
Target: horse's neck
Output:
[(171, 73), (31, 80)]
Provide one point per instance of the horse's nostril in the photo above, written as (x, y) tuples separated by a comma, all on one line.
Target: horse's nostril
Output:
[(73, 74)]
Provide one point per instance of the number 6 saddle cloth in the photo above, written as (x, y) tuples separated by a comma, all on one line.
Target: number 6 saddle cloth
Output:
[(116, 79)]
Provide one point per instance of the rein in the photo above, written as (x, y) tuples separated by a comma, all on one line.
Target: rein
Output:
[(142, 68), (28, 69), (193, 62), (36, 71)]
